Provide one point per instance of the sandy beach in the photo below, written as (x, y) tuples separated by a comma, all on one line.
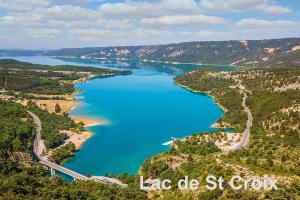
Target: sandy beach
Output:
[(66, 105), (87, 121), (78, 138)]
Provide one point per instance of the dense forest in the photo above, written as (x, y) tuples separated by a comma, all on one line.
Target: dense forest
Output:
[(22, 80), (274, 143), (193, 157), (21, 178), (52, 126), (62, 153), (43, 79), (16, 129)]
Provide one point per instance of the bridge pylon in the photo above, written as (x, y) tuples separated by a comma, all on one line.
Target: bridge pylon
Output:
[(52, 171)]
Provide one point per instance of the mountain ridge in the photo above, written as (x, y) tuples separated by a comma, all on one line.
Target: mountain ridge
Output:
[(268, 52)]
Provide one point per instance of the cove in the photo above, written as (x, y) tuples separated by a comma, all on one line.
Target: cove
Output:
[(145, 110)]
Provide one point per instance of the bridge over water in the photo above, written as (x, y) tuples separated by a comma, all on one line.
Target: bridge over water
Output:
[(39, 149)]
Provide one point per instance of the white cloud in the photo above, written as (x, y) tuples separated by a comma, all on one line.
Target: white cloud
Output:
[(265, 6), (21, 6), (150, 9), (70, 2), (275, 10), (55, 16), (69, 13), (66, 23), (7, 20), (253, 23), (183, 20), (116, 37), (44, 34), (21, 21), (92, 37), (252, 28)]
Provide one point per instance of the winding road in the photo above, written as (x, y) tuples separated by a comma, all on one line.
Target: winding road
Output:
[(246, 134), (39, 149)]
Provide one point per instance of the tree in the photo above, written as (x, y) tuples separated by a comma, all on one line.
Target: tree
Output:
[(79, 127), (57, 108)]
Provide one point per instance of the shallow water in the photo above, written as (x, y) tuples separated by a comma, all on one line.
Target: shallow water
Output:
[(144, 109)]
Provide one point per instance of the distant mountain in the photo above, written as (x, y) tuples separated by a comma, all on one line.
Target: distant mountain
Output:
[(271, 52), (19, 52)]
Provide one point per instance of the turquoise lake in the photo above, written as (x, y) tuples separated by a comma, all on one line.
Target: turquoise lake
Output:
[(144, 110)]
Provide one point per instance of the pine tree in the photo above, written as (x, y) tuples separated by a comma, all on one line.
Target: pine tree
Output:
[(57, 108)]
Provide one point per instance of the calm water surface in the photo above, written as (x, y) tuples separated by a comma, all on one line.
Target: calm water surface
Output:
[(144, 110)]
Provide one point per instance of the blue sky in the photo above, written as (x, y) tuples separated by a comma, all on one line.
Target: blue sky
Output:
[(48, 24)]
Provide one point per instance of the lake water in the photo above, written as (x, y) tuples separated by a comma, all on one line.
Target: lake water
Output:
[(144, 110)]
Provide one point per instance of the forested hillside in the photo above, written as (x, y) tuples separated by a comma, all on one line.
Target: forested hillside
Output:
[(31, 84), (273, 52), (43, 79), (273, 148), (21, 178)]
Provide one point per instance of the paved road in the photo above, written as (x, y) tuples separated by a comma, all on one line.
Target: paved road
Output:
[(63, 169), (246, 134), (39, 149), (38, 146), (108, 180)]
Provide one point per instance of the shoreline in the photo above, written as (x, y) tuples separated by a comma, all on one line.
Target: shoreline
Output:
[(146, 61), (214, 124), (78, 139), (200, 92), (88, 122)]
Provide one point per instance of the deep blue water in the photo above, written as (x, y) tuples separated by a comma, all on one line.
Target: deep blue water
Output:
[(144, 109)]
